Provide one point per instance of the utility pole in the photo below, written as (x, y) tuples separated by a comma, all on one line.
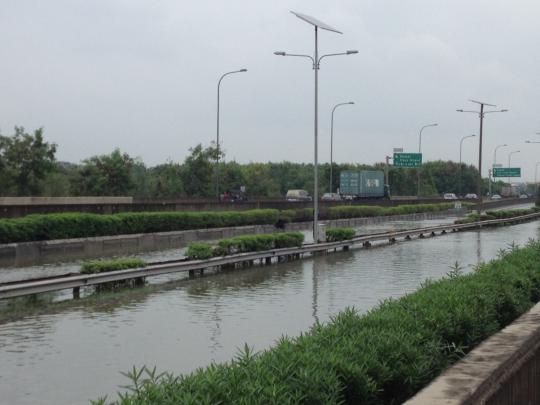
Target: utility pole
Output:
[(481, 114)]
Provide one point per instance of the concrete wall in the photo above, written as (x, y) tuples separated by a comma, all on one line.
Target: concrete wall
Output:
[(29, 253), (64, 200), (99, 205), (504, 369)]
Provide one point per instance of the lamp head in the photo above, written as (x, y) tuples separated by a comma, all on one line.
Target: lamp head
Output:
[(243, 70), (351, 52), (504, 110), (459, 110), (351, 102), (279, 53)]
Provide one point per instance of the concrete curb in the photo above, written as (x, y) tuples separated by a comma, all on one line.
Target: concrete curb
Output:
[(504, 369)]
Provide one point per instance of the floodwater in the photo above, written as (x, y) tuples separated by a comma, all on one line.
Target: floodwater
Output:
[(76, 351)]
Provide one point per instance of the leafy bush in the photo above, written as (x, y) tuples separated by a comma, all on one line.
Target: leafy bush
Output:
[(502, 214), (199, 251), (337, 234), (245, 243), (383, 357), (78, 225), (101, 266), (355, 211)]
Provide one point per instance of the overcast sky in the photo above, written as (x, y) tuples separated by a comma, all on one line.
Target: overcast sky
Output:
[(142, 76)]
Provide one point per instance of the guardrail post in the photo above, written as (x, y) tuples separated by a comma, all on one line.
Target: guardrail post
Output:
[(76, 293)]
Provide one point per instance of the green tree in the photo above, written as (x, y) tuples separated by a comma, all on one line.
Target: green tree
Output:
[(105, 175), (198, 172), (25, 160), (166, 180), (259, 181), (58, 182)]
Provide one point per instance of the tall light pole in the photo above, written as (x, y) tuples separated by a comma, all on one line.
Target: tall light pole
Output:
[(481, 114), (420, 151), (493, 166), (332, 141), (495, 153), (316, 60), (509, 160), (460, 148), (510, 156), (217, 131), (536, 176)]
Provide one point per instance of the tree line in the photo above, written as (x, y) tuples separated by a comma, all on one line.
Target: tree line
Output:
[(28, 167)]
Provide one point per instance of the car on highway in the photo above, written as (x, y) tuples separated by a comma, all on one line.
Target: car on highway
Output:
[(471, 196), (331, 197), (297, 195), (496, 197), (449, 196), (523, 196)]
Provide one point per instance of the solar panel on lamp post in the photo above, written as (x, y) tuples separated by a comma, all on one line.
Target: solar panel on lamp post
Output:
[(316, 65)]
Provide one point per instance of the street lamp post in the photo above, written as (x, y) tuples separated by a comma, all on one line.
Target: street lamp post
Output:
[(332, 141), (217, 131), (495, 153), (316, 60), (420, 151), (493, 166), (481, 114), (460, 148), (509, 160), (536, 177)]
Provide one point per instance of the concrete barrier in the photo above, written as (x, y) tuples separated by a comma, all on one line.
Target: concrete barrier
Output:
[(30, 253), (504, 369)]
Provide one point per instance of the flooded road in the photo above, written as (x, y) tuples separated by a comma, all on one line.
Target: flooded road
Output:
[(75, 352)]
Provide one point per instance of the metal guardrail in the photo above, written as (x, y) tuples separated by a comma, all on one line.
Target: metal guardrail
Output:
[(28, 287)]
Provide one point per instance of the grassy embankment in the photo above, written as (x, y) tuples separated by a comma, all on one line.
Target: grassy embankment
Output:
[(382, 357), (40, 227)]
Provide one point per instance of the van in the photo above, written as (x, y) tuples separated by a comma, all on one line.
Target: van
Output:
[(297, 195)]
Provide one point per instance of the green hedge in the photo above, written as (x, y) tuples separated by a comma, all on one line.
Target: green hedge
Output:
[(354, 211), (501, 214), (79, 225), (246, 243), (338, 234), (383, 357), (100, 266)]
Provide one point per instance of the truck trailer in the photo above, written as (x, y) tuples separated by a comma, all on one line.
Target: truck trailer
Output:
[(362, 184)]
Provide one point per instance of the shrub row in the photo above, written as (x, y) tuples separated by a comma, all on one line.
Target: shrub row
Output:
[(100, 266), (502, 214), (353, 211), (337, 234), (247, 243), (78, 225), (383, 357)]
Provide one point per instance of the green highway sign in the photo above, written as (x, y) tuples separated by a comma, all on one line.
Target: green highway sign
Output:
[(506, 172), (407, 159)]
